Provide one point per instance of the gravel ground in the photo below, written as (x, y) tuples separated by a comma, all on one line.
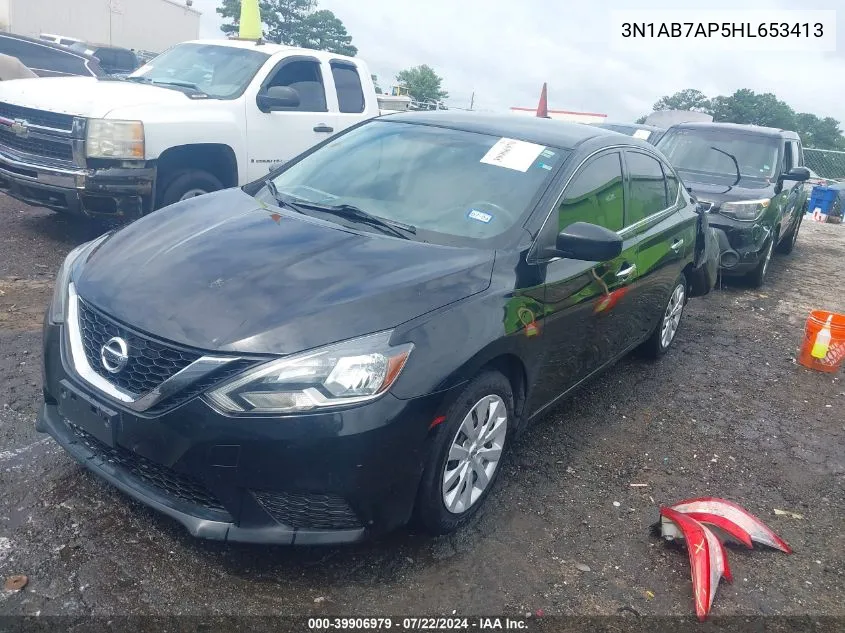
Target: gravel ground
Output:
[(727, 413)]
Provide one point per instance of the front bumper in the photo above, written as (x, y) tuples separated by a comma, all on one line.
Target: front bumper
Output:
[(110, 192), (320, 478), (741, 244)]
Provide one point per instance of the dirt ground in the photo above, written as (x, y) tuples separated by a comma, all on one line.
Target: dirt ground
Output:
[(726, 413)]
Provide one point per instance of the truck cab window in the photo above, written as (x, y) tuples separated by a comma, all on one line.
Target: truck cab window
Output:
[(350, 94), (303, 76)]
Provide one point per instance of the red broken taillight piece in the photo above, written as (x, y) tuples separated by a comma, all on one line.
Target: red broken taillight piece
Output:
[(707, 559), (743, 520)]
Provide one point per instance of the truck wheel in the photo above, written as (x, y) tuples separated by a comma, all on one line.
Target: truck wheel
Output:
[(184, 184), (466, 455), (788, 242)]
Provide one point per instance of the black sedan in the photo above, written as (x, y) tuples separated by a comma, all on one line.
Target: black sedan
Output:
[(356, 341)]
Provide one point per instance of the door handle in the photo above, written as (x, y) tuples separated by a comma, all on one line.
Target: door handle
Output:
[(322, 127), (676, 245), (626, 272)]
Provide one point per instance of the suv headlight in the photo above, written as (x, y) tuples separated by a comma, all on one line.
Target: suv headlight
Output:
[(354, 371), (745, 210), (115, 139), (58, 306)]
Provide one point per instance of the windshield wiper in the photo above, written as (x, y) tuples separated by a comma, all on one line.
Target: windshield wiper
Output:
[(354, 213), (281, 199), (178, 83), (736, 164)]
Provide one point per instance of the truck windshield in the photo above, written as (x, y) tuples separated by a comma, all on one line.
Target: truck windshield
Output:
[(691, 150), (218, 71), (453, 187)]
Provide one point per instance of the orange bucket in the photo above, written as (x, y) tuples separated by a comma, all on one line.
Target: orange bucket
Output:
[(836, 351)]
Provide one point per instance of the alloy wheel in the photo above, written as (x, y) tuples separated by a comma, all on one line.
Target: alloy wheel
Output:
[(192, 193), (672, 316), (474, 454)]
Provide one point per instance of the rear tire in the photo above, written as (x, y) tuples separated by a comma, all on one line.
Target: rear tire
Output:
[(788, 242), (670, 321), (186, 183), (757, 277), (453, 485)]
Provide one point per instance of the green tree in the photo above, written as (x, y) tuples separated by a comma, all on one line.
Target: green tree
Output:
[(819, 133), (688, 99), (375, 83), (641, 120), (323, 31), (423, 83), (746, 106)]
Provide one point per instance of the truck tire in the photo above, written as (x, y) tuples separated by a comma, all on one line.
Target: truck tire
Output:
[(185, 183), (788, 242)]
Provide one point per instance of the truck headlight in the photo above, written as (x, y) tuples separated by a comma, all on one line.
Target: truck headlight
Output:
[(745, 210), (58, 305), (115, 139), (351, 372)]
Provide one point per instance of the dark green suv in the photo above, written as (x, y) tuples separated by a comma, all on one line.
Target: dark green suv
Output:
[(749, 178)]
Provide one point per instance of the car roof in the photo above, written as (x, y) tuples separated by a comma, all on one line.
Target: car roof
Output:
[(633, 126), (738, 128), (562, 134), (58, 47), (271, 49), (94, 45)]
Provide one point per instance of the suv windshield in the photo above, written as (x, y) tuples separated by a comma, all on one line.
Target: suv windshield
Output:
[(453, 187), (691, 150), (217, 71)]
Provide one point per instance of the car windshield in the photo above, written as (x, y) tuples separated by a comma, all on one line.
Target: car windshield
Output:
[(692, 151), (453, 187), (217, 71)]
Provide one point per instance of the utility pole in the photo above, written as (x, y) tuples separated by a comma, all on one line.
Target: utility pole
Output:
[(472, 100)]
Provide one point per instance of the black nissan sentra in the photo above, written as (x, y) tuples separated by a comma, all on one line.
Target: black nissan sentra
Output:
[(355, 342)]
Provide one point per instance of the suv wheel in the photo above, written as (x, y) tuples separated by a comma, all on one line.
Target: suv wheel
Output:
[(788, 242), (186, 183), (758, 276), (664, 334), (466, 456)]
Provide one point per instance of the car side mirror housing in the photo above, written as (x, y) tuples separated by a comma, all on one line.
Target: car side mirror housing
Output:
[(277, 98), (587, 242), (798, 174)]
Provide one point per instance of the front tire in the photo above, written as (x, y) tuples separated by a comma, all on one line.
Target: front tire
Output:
[(757, 277), (664, 334), (466, 455), (186, 183), (788, 242)]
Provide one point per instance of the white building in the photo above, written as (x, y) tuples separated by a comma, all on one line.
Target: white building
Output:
[(564, 115), (151, 25)]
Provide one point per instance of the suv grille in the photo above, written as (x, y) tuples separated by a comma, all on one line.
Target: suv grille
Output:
[(304, 510), (37, 117), (59, 149), (150, 362), (164, 480)]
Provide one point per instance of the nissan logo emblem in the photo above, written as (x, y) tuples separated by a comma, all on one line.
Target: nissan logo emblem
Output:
[(114, 355)]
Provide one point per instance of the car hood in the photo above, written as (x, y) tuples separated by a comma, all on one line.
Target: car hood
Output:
[(224, 272), (718, 190), (85, 96)]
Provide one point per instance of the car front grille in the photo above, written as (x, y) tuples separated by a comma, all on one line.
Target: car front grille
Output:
[(54, 120), (308, 511), (150, 362), (166, 481), (59, 149)]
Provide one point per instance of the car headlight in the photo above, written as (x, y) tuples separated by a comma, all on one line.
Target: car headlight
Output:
[(115, 139), (745, 210), (58, 305), (350, 372)]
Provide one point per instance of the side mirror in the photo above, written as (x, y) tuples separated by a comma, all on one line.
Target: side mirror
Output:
[(277, 98), (588, 242), (798, 174)]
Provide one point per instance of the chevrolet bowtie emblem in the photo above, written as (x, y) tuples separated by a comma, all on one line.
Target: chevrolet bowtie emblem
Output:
[(20, 127)]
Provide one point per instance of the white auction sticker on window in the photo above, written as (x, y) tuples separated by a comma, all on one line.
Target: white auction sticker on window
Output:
[(643, 134), (513, 154)]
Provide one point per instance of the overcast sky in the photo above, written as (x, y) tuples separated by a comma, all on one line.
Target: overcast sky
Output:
[(504, 50)]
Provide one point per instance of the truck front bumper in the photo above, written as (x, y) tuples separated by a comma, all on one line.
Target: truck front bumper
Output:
[(109, 192)]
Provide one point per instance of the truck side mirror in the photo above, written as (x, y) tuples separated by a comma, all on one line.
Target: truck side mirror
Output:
[(277, 98), (798, 174)]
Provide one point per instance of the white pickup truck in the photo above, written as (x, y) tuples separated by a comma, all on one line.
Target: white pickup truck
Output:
[(202, 116)]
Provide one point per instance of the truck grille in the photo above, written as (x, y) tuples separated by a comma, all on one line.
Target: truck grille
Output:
[(307, 510), (37, 117), (166, 481), (150, 362), (58, 149)]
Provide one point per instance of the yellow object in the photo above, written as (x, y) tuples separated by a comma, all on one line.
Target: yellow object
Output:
[(250, 22), (822, 343)]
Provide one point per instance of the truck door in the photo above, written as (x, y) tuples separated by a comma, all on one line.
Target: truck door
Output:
[(276, 136)]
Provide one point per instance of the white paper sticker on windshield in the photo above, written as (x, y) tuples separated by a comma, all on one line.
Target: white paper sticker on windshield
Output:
[(513, 154), (643, 134)]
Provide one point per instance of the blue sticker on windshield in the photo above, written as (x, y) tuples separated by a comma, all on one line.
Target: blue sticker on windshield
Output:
[(544, 166), (479, 216)]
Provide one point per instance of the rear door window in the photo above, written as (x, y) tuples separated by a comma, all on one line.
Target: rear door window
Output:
[(350, 94), (595, 194), (647, 186)]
